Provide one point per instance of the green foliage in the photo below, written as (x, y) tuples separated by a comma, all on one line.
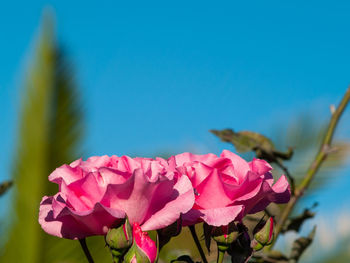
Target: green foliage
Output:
[(31, 163), (245, 141), (50, 130)]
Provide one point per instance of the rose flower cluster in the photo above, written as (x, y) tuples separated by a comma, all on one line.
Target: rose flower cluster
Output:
[(137, 195)]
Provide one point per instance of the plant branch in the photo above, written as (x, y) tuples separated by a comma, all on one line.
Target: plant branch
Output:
[(196, 241), (86, 250), (315, 165)]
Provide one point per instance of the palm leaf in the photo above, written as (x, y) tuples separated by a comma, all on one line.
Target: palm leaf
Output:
[(31, 160), (49, 134)]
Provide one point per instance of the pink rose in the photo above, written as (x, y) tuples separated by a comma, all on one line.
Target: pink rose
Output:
[(228, 187), (96, 194)]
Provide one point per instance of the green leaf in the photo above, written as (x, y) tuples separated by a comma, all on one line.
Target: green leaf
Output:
[(50, 129), (245, 141), (31, 161)]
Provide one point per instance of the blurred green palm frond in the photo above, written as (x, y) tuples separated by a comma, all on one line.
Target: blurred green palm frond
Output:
[(50, 130)]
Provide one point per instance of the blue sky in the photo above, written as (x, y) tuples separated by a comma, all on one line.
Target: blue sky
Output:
[(156, 76)]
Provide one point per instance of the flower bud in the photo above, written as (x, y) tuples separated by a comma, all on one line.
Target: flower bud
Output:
[(119, 239), (143, 249), (263, 234), (256, 246), (225, 235)]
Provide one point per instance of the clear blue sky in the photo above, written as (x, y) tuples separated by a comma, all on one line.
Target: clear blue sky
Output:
[(156, 76)]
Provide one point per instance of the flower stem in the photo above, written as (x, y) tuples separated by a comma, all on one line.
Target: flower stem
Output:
[(322, 154), (86, 250), (196, 241), (221, 255)]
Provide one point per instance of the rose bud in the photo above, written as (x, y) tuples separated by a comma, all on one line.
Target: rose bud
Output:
[(225, 235), (263, 235), (119, 239), (143, 249), (256, 246)]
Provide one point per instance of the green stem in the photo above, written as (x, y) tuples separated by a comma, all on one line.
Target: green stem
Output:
[(315, 165), (196, 241), (221, 255), (86, 250)]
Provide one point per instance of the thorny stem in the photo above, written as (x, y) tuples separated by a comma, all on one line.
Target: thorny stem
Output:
[(86, 250), (196, 241), (315, 165)]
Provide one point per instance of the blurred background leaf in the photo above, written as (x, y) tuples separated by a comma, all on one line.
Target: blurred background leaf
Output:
[(50, 132)]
